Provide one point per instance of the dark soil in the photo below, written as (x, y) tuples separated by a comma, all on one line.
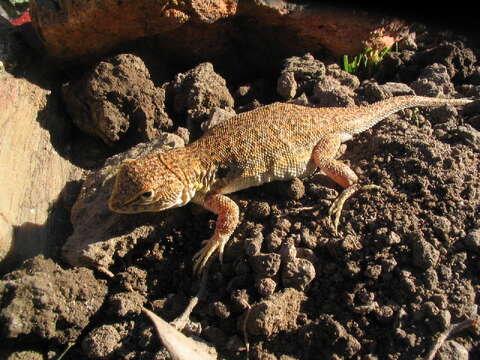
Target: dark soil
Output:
[(403, 267)]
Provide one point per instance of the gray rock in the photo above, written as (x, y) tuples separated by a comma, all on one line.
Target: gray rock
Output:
[(36, 166), (100, 234), (217, 115), (286, 85)]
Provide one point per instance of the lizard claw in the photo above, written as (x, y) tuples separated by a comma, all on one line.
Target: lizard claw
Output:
[(201, 258), (337, 206)]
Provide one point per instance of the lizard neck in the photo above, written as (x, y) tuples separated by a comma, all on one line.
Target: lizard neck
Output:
[(192, 167)]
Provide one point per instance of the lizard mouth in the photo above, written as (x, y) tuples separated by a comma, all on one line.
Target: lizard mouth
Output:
[(130, 207)]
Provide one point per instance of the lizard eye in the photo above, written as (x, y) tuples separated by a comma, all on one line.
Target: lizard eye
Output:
[(147, 195)]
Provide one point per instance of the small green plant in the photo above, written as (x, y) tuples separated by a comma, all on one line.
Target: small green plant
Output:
[(14, 8), (368, 60), (353, 66), (416, 117)]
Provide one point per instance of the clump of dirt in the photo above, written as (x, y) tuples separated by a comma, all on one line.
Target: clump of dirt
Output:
[(42, 298), (402, 269), (276, 313)]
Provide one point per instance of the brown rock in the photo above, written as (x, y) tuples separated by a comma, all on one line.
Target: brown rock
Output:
[(295, 189), (274, 239), (253, 244), (133, 279), (259, 209), (287, 85), (425, 255), (220, 310), (433, 81), (117, 97), (298, 274), (240, 300), (197, 92), (472, 240), (327, 332), (299, 75), (342, 76), (80, 28), (265, 264), (265, 286), (330, 92)]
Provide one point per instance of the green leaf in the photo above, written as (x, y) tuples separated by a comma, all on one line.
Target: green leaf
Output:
[(346, 65)]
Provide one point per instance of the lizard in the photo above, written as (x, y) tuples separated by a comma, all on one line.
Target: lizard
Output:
[(278, 141)]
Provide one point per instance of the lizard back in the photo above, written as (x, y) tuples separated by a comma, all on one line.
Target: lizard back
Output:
[(274, 142)]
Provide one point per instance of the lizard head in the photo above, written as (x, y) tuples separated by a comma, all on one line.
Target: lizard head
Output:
[(146, 184)]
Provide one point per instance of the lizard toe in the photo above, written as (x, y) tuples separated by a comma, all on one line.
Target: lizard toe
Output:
[(209, 248), (336, 208)]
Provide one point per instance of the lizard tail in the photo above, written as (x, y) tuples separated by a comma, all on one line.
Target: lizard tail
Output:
[(378, 111)]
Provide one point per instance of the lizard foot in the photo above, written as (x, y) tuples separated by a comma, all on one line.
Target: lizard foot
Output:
[(337, 206), (209, 247)]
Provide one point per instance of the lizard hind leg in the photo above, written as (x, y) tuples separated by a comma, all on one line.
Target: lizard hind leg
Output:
[(324, 157)]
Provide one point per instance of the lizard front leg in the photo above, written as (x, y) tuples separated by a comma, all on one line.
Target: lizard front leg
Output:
[(227, 220), (324, 157)]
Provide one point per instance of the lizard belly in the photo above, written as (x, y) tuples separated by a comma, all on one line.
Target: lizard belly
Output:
[(279, 171)]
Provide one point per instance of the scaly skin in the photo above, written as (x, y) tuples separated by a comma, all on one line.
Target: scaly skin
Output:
[(274, 142)]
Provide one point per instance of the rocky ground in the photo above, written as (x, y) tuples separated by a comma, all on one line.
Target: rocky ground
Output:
[(403, 267)]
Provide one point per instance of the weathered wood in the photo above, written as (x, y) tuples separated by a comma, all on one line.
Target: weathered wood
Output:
[(32, 173)]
